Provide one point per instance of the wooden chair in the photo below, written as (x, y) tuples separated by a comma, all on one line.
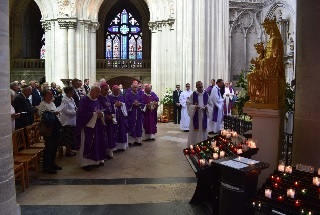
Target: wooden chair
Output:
[(18, 138), (29, 162), (40, 141), (34, 140), (20, 174)]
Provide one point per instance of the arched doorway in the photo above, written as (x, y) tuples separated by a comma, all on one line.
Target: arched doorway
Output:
[(124, 80)]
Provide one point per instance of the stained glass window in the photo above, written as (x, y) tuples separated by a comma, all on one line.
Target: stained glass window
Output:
[(124, 38)]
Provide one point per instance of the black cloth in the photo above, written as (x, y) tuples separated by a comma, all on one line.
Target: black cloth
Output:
[(23, 106), (36, 97), (176, 108), (222, 90), (76, 97), (67, 136), (86, 88), (57, 97)]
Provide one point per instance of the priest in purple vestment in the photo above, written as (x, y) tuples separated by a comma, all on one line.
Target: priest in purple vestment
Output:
[(110, 119), (90, 131), (150, 99), (135, 108), (118, 105)]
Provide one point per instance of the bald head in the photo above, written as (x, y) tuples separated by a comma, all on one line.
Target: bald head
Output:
[(147, 88)]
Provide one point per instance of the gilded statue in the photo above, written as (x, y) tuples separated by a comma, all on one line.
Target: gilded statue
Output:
[(266, 82)]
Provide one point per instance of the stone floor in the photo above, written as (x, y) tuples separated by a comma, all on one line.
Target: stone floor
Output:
[(152, 179)]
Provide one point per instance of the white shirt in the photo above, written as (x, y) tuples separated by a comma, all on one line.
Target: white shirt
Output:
[(67, 111)]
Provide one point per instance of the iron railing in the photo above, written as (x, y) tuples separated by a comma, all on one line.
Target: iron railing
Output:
[(27, 63), (237, 124)]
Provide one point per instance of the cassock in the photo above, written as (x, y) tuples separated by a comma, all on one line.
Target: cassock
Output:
[(90, 133), (198, 117), (150, 115), (121, 130), (228, 98), (110, 124), (215, 122), (135, 117), (185, 119)]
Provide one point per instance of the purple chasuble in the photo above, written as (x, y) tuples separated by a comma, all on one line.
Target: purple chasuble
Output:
[(209, 89), (150, 116), (135, 114), (196, 115), (121, 127), (110, 128), (94, 142)]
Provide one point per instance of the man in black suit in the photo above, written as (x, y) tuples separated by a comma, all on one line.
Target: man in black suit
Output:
[(122, 91), (56, 95), (35, 95), (77, 93), (176, 105), (86, 86), (23, 106)]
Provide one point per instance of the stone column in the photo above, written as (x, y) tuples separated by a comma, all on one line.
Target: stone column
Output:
[(46, 25), (93, 53), (71, 50), (8, 203), (306, 137), (61, 45)]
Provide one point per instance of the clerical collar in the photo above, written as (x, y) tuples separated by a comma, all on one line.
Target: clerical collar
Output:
[(114, 95), (199, 92), (147, 93)]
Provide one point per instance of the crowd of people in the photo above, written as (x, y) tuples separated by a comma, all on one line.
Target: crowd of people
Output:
[(93, 121), (201, 112)]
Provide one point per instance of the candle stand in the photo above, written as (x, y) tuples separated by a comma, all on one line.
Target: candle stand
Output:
[(201, 157), (295, 193)]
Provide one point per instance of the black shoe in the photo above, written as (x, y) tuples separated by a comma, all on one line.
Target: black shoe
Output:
[(88, 168), (50, 171), (138, 144), (56, 167), (100, 164), (175, 123), (211, 132), (121, 150), (153, 139)]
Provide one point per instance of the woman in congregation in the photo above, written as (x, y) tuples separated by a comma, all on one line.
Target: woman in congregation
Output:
[(68, 120), (48, 113)]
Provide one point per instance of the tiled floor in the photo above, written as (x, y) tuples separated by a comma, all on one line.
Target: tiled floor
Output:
[(152, 179)]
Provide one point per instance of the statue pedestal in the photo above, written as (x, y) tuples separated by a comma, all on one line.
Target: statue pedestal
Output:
[(267, 129)]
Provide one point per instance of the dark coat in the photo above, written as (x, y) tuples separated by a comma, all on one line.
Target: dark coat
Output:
[(23, 106), (176, 96), (36, 98)]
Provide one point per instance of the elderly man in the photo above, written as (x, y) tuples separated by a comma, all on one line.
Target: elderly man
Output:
[(110, 120), (150, 99), (118, 105), (199, 110), (90, 131), (216, 120), (135, 108), (22, 105)]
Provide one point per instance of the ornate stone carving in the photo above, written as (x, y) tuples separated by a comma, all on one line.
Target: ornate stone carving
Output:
[(66, 8), (46, 25), (266, 82), (67, 23)]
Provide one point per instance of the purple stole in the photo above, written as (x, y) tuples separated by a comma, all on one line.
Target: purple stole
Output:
[(196, 115), (215, 110)]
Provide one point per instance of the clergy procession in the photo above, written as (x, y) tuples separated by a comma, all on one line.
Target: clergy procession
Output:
[(91, 122)]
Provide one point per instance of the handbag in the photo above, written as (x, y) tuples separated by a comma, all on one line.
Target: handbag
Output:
[(44, 130)]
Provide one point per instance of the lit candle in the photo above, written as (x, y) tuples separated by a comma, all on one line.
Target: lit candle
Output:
[(297, 203), (215, 156), (210, 161), (234, 134), (280, 198), (290, 193), (213, 144), (281, 168), (216, 149), (288, 169), (318, 171), (228, 135), (191, 147), (315, 181), (239, 151), (222, 154), (267, 193)]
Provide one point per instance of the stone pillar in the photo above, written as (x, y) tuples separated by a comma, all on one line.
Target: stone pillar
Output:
[(93, 53), (306, 137), (8, 203), (61, 45), (46, 25), (71, 50)]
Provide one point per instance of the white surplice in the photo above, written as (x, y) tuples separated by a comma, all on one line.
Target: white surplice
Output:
[(185, 119), (228, 96), (217, 101), (196, 136)]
